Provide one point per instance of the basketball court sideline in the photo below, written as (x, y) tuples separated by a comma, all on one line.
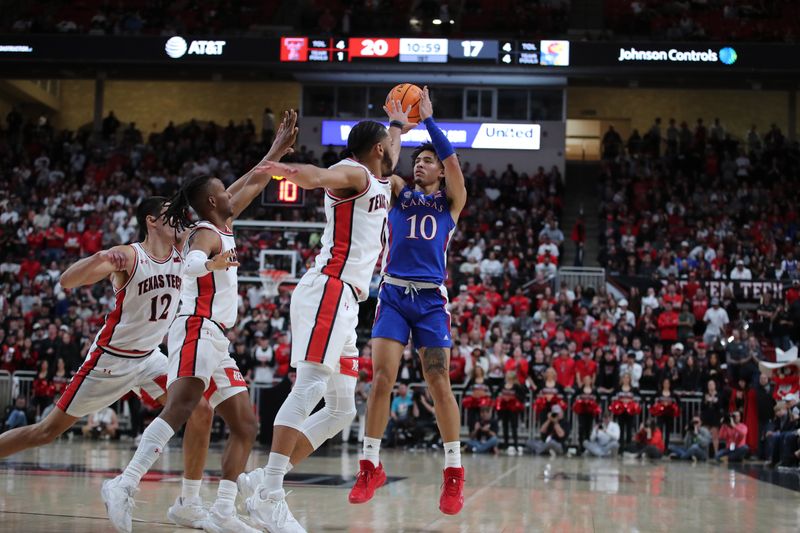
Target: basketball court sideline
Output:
[(58, 487)]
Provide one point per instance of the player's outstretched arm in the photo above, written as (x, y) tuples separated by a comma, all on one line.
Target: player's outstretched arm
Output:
[(453, 177), (398, 125), (117, 262), (203, 244), (245, 189), (340, 178)]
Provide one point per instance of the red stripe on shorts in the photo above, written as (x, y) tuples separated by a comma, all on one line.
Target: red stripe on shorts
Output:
[(161, 381), (188, 358), (323, 323), (212, 388), (78, 379)]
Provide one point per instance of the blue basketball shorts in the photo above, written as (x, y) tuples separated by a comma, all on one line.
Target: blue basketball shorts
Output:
[(423, 316)]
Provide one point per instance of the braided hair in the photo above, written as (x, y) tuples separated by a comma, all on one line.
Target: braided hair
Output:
[(189, 195)]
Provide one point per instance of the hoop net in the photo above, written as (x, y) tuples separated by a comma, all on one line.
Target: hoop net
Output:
[(270, 280)]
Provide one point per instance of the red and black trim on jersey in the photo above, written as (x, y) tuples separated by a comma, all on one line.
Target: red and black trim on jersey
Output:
[(324, 320), (343, 217), (115, 317), (204, 301), (154, 259), (78, 379)]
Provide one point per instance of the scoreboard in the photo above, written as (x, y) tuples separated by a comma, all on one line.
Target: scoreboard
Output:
[(547, 53)]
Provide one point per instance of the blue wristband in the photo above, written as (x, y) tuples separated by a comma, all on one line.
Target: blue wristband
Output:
[(439, 140)]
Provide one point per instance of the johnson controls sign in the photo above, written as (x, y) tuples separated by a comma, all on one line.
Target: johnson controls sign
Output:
[(481, 135), (177, 47), (726, 55)]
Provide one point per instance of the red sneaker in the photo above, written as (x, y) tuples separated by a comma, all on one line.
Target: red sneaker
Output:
[(452, 499), (368, 479)]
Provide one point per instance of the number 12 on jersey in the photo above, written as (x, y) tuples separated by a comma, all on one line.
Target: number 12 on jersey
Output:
[(427, 227)]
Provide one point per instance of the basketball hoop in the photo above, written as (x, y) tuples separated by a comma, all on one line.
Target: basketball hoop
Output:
[(270, 280)]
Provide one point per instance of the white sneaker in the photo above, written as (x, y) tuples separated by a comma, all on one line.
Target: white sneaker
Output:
[(272, 512), (511, 451), (521, 450), (218, 523), (188, 513), (247, 482), (119, 503)]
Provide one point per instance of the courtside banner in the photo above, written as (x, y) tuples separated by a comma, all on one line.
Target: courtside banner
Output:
[(481, 135)]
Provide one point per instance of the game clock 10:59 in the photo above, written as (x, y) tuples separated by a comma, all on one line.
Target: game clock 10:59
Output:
[(282, 193)]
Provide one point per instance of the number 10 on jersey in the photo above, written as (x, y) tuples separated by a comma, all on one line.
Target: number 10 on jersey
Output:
[(426, 229)]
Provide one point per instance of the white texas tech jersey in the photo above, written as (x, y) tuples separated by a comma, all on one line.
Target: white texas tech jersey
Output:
[(354, 232), (215, 295), (145, 306)]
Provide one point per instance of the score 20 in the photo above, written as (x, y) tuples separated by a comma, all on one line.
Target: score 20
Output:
[(373, 47)]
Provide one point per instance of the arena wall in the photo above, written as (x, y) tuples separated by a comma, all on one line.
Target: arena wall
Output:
[(737, 109), (152, 104)]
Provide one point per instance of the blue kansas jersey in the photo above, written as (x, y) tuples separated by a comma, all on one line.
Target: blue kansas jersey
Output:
[(419, 230)]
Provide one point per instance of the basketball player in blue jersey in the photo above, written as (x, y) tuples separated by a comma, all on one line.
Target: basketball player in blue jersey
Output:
[(413, 301)]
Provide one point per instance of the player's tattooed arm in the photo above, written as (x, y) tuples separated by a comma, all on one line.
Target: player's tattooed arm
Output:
[(116, 263), (434, 361)]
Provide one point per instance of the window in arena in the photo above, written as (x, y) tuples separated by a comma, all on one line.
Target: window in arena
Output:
[(512, 104), (319, 101), (479, 103), (350, 102), (547, 105), (449, 102)]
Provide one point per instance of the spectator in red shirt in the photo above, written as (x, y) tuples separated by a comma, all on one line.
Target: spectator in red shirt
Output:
[(586, 366), (54, 242), (283, 356), (365, 362), (700, 305), (520, 302), (734, 433), (30, 267), (518, 364), (72, 240), (648, 441), (91, 240), (564, 366), (672, 296), (668, 324), (458, 365), (579, 334), (793, 293)]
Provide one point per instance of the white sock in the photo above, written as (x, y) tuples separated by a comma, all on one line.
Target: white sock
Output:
[(274, 471), (154, 438), (190, 488), (289, 467), (452, 454), (372, 450), (226, 497)]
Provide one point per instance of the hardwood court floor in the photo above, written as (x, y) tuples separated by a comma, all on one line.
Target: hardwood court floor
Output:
[(56, 488)]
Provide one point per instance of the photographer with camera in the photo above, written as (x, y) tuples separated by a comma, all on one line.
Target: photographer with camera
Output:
[(552, 435), (102, 423), (695, 443), (483, 437), (604, 440), (647, 442), (734, 433)]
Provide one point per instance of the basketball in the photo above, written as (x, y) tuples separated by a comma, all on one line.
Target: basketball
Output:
[(409, 95)]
